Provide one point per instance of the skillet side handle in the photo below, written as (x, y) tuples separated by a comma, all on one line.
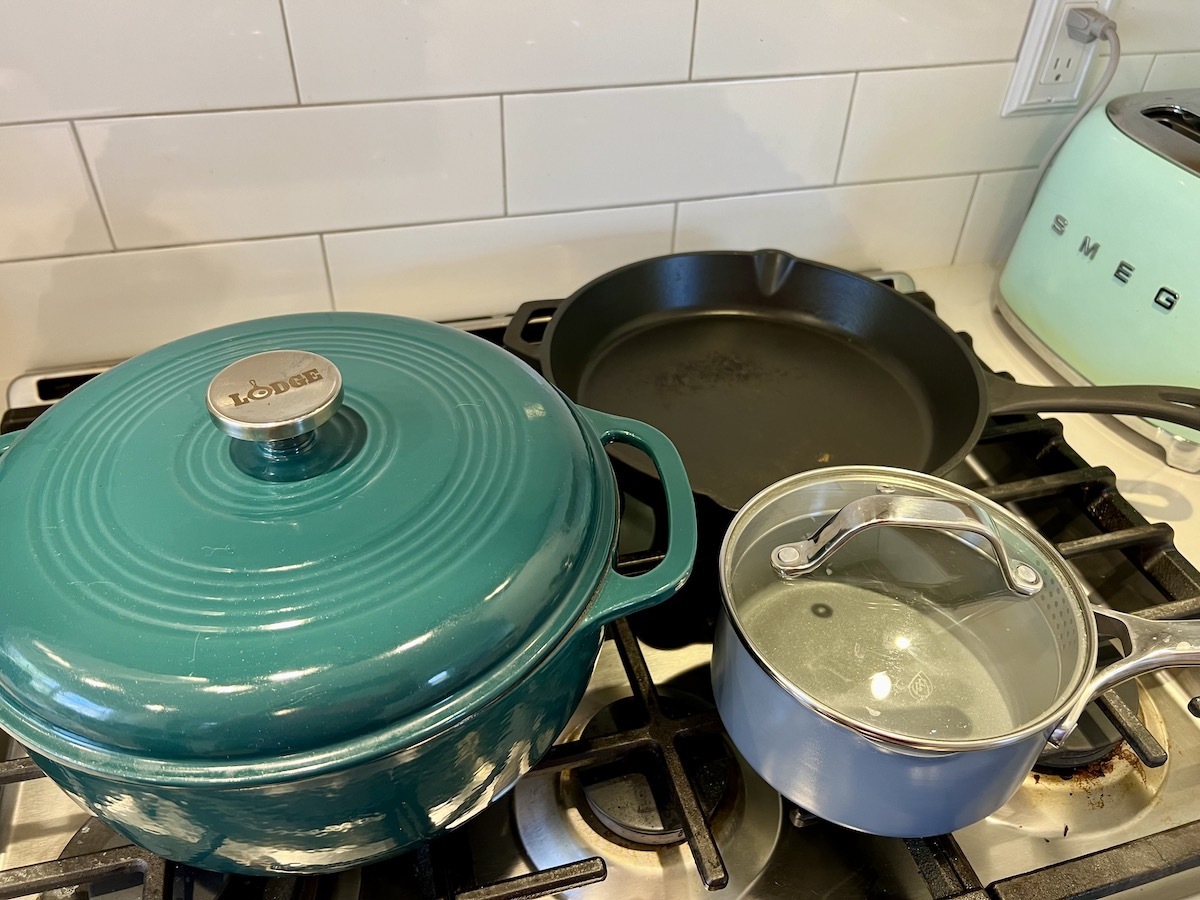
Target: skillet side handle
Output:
[(621, 595), (529, 351), (1180, 405), (1148, 644)]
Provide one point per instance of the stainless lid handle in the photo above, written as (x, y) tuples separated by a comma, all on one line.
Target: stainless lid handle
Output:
[(275, 399), (794, 560)]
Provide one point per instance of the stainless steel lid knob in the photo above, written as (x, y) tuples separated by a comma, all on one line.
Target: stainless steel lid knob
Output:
[(275, 396)]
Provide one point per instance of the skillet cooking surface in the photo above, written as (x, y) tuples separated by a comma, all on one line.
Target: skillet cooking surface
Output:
[(749, 399)]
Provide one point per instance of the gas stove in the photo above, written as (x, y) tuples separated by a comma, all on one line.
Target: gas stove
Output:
[(643, 796)]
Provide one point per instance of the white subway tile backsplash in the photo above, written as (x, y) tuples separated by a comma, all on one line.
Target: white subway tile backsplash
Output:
[(46, 203), (929, 121), (1157, 26), (92, 308), (1174, 70), (60, 60), (996, 214), (649, 144), (1131, 75), (738, 38), (911, 224), (470, 269), (924, 122), (217, 176), (385, 51), (460, 158)]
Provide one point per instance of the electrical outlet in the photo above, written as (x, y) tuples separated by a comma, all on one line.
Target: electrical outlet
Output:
[(1063, 57), (1051, 67)]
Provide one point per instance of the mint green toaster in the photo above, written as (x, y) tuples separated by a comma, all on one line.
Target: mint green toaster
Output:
[(1104, 279)]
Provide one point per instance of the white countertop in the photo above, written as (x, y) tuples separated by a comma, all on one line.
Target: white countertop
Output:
[(963, 295)]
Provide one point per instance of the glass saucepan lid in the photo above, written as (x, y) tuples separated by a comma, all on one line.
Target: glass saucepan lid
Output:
[(908, 608)]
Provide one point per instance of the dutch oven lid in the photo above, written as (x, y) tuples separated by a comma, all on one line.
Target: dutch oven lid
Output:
[(191, 570), (906, 607)]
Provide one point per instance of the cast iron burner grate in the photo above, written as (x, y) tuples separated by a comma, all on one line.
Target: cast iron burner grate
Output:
[(436, 870), (661, 733)]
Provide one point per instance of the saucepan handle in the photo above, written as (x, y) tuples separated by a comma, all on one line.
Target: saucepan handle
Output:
[(905, 511), (530, 351), (621, 595), (1180, 405), (1148, 644)]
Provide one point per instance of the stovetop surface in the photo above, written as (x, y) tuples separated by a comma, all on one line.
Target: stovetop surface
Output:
[(769, 850)]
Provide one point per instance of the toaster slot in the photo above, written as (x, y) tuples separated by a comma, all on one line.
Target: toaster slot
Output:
[(1181, 121), (1164, 122)]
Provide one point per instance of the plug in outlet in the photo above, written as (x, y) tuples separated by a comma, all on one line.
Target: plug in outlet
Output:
[(1064, 57), (1052, 66)]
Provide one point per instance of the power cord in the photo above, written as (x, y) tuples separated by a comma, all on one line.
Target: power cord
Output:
[(1085, 25)]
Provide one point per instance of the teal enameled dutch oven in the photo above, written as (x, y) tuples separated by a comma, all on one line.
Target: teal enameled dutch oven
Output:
[(295, 594)]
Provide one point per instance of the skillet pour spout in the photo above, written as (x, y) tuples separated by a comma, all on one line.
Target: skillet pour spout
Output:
[(772, 268)]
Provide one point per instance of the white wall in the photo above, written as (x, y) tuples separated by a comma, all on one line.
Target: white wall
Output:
[(167, 166)]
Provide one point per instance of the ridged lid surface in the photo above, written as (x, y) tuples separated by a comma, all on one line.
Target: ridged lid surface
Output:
[(156, 596)]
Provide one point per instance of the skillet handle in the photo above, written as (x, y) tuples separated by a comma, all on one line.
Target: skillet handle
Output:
[(529, 351), (619, 594), (1180, 405), (1148, 644)]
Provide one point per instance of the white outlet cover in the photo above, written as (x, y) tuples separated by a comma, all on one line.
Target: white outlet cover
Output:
[(1027, 93)]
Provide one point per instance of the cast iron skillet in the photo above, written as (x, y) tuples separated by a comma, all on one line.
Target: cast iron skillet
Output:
[(761, 365)]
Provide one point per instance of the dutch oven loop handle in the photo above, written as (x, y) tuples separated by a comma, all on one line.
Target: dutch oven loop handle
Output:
[(620, 595), (1148, 645), (530, 351), (906, 511), (1180, 405)]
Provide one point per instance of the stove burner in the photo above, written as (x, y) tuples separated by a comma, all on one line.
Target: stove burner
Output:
[(1088, 800), (631, 797), (191, 883), (555, 823), (95, 836), (1096, 737)]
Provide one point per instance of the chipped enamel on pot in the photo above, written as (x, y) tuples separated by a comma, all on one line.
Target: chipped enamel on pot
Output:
[(894, 651), (296, 594)]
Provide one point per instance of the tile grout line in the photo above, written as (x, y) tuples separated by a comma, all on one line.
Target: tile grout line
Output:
[(962, 229), (503, 157), (428, 98), (692, 53), (328, 273), (285, 236), (287, 39), (94, 187), (160, 248), (837, 172), (1149, 72)]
